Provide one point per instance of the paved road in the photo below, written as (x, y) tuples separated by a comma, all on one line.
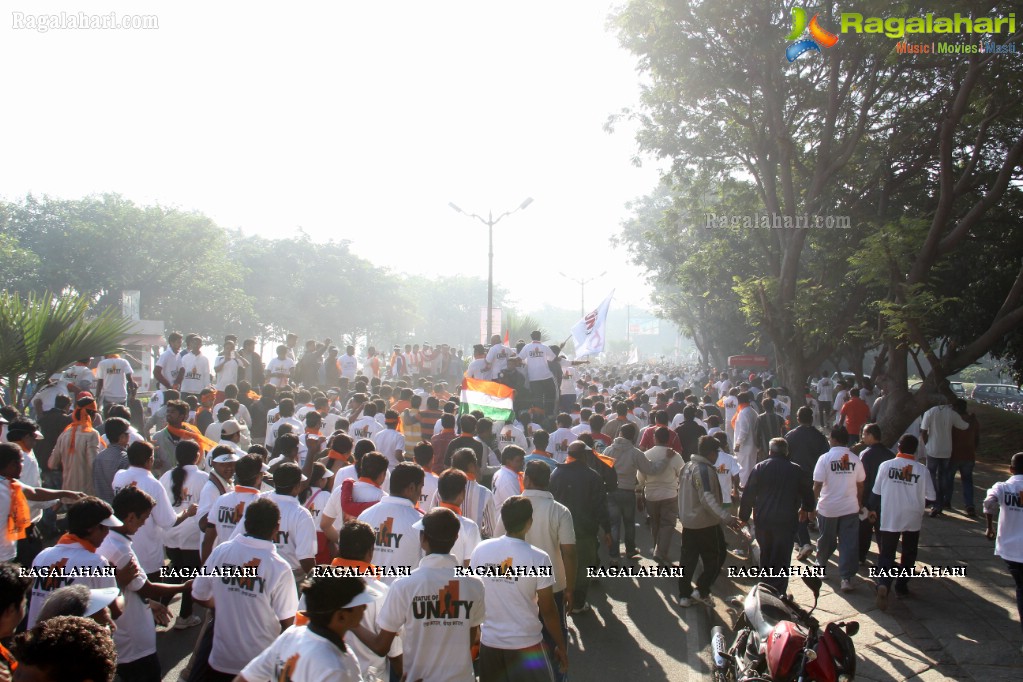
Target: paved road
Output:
[(635, 632)]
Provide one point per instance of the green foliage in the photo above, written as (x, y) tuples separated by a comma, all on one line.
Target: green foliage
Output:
[(41, 335)]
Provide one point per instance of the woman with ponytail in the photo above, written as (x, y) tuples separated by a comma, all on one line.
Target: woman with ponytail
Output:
[(183, 484)]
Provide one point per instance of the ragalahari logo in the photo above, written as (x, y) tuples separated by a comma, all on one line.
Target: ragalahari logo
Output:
[(819, 37)]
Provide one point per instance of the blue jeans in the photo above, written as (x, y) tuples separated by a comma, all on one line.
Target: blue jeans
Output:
[(965, 470), (803, 534), (847, 530), (621, 507), (942, 474)]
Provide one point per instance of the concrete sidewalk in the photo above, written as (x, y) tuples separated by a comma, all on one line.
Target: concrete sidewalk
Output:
[(949, 628)]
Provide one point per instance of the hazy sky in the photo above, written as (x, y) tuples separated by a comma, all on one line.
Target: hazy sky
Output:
[(356, 121)]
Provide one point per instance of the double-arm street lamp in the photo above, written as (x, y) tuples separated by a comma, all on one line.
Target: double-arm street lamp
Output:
[(582, 289), (490, 221)]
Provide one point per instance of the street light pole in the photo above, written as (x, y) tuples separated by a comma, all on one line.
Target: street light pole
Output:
[(490, 221), (582, 289)]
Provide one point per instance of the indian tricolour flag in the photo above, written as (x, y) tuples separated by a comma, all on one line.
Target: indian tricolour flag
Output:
[(494, 400)]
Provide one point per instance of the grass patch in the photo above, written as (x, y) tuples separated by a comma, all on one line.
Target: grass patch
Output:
[(1001, 434)]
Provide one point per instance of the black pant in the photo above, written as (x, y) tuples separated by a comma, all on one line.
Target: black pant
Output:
[(145, 669), (200, 664), (183, 558), (1016, 571), (888, 542), (866, 531), (545, 393), (775, 542), (515, 665), (29, 546), (703, 544)]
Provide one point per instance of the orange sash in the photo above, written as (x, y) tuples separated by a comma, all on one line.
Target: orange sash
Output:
[(82, 417), (20, 517), (453, 507), (737, 413), (9, 657), (69, 539), (192, 433)]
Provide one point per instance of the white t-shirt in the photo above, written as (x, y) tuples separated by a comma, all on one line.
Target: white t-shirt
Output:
[(904, 486), (285, 366), (825, 388), (558, 444), (497, 358), (249, 609), (296, 536), (437, 611), (477, 369), (79, 375), (552, 527), (430, 481), (135, 636), (512, 620), (662, 486), (297, 428), (114, 373), (365, 427), (938, 422), (349, 365), (228, 372), (389, 444), (361, 492), (567, 379), (839, 469), (66, 558), (185, 535), (148, 540), (197, 373), (726, 467), (512, 435), (228, 512), (300, 655), (468, 539), (731, 404), (1006, 498), (48, 395), (169, 363), (397, 543), (505, 485), (537, 356)]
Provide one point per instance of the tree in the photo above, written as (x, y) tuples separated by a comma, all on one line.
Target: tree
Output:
[(838, 133), (41, 335)]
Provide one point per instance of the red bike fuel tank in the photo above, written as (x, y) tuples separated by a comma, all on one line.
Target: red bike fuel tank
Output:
[(784, 646)]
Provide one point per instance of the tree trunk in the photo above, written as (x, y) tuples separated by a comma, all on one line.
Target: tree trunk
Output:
[(792, 373)]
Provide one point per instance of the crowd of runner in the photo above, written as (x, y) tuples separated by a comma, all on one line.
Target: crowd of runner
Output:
[(343, 517)]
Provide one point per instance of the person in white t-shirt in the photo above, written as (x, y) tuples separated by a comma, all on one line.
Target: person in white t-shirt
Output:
[(1005, 498), (165, 371), (251, 611), (508, 479), (438, 612), (477, 369), (367, 425), (838, 484), (511, 645), (497, 358), (392, 519), (389, 441), (135, 636), (196, 369), (148, 540), (560, 439), (227, 511), (317, 652), (295, 538), (227, 367), (364, 493), (88, 522), (901, 490), (278, 371), (113, 374), (78, 377), (422, 455), (450, 495), (349, 364), (825, 397), (541, 380)]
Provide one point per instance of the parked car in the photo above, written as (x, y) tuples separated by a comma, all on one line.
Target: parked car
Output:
[(849, 378), (997, 393), (957, 388)]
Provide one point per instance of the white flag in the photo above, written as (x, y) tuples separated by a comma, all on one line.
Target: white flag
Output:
[(589, 333), (633, 356)]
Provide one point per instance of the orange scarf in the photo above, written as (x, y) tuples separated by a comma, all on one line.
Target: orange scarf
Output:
[(453, 507), (737, 413), (69, 539), (82, 417), (9, 657), (20, 517), (190, 432), (522, 483), (252, 395), (246, 489), (369, 480)]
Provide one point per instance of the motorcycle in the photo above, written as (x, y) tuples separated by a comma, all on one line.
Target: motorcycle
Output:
[(778, 641)]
